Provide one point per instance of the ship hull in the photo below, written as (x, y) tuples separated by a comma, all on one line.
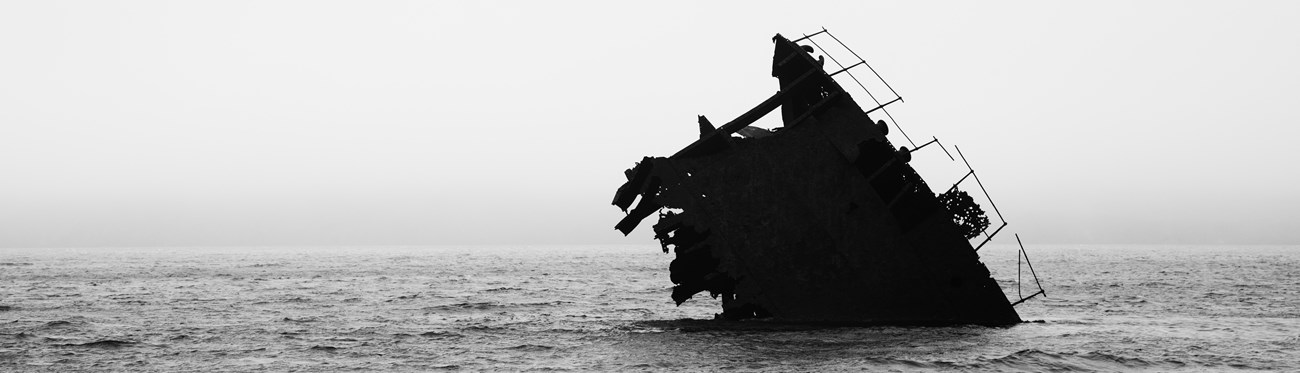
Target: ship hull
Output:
[(821, 222)]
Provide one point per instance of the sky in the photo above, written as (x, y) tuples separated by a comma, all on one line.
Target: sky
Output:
[(163, 123)]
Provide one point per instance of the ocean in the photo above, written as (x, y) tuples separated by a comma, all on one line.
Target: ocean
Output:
[(601, 308)]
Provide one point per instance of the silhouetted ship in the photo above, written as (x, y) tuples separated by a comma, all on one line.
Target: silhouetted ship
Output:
[(822, 220)]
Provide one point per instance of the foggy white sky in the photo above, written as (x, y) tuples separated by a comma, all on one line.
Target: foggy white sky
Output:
[(319, 122)]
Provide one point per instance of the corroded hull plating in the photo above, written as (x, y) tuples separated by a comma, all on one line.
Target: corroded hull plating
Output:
[(822, 221)]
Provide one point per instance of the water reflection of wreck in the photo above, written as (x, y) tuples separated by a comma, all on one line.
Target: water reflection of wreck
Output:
[(822, 220)]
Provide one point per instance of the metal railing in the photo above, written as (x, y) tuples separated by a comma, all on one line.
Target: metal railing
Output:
[(1025, 255), (1022, 254), (861, 62)]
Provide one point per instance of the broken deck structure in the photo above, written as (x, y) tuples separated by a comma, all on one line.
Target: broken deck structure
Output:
[(822, 220)]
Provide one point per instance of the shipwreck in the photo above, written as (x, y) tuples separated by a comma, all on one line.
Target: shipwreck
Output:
[(821, 220)]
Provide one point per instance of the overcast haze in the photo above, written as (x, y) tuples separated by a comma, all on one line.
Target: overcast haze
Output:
[(346, 123)]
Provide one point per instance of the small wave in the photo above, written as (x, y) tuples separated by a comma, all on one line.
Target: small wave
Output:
[(485, 328), (440, 335), (481, 306), (1033, 358), (474, 306), (403, 297), (58, 324), (21, 335), (107, 343), (1072, 361), (119, 296), (1084, 321), (1125, 361), (537, 304), (1155, 284), (14, 264), (325, 348), (1247, 286), (302, 319), (61, 295), (531, 348)]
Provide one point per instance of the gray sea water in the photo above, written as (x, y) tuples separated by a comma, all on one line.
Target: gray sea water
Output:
[(585, 308)]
